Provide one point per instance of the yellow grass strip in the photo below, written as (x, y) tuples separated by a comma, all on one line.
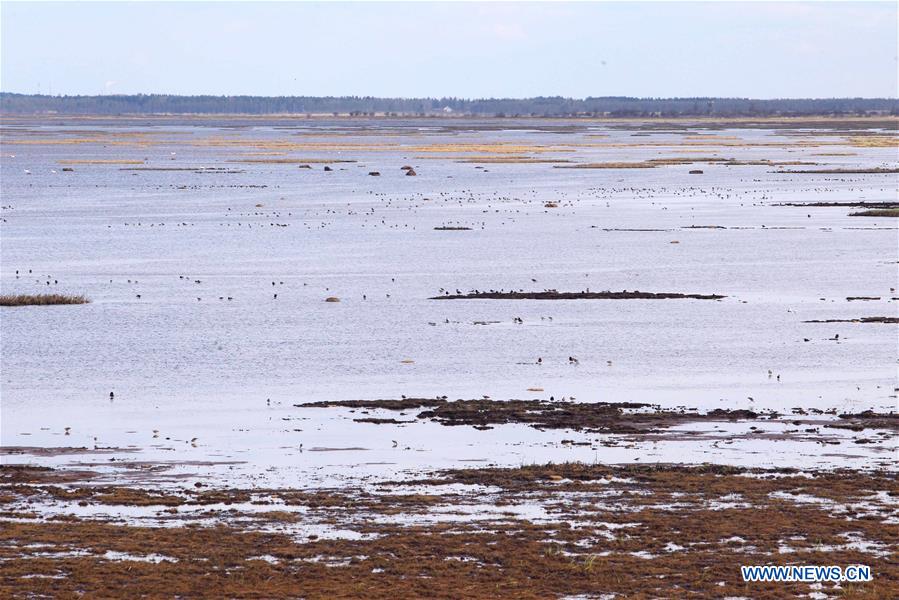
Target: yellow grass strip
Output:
[(874, 141)]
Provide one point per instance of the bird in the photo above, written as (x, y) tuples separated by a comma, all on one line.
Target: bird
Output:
[(112, 395)]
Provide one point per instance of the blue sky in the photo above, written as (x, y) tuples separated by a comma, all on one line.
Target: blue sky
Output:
[(470, 49)]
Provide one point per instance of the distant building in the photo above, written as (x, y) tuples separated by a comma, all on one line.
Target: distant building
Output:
[(447, 109)]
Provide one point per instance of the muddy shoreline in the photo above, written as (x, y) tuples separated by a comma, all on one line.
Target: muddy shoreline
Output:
[(586, 295), (531, 532), (596, 417)]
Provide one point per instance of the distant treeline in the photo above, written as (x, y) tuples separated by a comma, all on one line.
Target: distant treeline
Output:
[(498, 107)]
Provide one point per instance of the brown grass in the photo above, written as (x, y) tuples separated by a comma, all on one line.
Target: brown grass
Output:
[(874, 141), (40, 299), (877, 212), (587, 547)]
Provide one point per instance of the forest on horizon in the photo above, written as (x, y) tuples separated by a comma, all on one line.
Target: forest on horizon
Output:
[(554, 106)]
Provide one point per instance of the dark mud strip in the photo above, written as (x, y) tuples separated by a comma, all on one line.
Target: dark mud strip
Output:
[(554, 295), (630, 229), (855, 127), (880, 212), (548, 531), (837, 171), (191, 169), (867, 420), (60, 450), (859, 320), (661, 162), (859, 204), (599, 417)]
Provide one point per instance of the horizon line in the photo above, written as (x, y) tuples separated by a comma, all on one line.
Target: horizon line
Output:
[(455, 98)]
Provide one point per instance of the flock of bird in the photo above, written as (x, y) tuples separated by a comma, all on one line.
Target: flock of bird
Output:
[(410, 211)]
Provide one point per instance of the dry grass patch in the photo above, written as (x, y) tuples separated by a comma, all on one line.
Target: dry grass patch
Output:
[(40, 299), (877, 212), (685, 530), (874, 141)]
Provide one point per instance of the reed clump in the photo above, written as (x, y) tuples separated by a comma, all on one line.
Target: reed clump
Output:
[(40, 299), (877, 212)]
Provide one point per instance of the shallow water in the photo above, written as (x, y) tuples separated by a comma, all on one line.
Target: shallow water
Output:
[(188, 364)]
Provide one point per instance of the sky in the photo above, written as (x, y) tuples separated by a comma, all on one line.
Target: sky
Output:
[(462, 49)]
